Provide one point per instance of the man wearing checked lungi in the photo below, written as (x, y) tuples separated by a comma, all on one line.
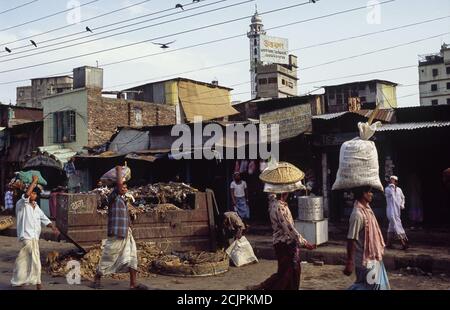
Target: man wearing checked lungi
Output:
[(119, 253)]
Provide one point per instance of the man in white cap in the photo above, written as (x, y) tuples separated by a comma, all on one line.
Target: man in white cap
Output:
[(395, 203)]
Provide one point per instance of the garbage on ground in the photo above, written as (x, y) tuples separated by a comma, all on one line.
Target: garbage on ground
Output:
[(151, 258), (56, 264), (6, 222)]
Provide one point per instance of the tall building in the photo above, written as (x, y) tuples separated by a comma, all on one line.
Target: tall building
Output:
[(31, 96), (273, 72), (434, 77), (256, 30)]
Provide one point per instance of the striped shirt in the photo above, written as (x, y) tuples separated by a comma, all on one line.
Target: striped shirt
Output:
[(283, 224), (118, 218)]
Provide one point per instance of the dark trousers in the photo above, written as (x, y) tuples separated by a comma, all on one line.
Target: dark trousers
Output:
[(289, 269)]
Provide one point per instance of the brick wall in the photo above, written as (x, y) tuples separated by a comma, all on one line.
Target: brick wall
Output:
[(106, 114)]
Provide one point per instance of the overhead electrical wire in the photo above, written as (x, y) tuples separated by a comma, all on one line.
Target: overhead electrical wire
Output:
[(18, 7), (45, 17), (150, 40), (71, 25), (106, 31)]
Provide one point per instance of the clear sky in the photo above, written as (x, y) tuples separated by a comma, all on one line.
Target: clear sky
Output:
[(171, 64)]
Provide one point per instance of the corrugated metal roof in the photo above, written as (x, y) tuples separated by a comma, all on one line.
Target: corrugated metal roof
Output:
[(412, 126), (329, 116), (60, 153), (385, 115)]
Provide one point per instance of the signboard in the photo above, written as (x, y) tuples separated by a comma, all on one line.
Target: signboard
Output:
[(292, 121), (274, 50)]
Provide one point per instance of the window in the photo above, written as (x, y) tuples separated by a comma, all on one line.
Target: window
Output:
[(59, 90), (64, 127), (273, 80), (372, 87), (434, 102), (256, 51), (448, 100), (435, 72), (448, 70), (262, 81), (434, 87), (255, 42), (448, 85), (21, 94), (283, 81)]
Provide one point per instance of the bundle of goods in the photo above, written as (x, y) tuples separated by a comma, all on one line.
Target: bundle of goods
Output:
[(57, 265), (27, 177), (192, 264), (282, 177), (110, 177), (179, 194), (358, 161)]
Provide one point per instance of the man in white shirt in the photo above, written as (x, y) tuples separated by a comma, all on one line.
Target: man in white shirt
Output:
[(395, 204), (27, 269), (239, 197)]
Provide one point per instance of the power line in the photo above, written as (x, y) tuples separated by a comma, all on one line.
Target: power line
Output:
[(18, 7), (45, 17), (106, 31), (149, 40), (120, 28), (374, 51), (240, 35), (71, 25)]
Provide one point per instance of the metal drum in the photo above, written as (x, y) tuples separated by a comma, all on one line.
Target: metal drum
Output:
[(310, 208)]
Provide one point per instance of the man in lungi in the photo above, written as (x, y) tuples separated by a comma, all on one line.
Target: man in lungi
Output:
[(27, 268), (365, 245), (119, 253), (239, 197)]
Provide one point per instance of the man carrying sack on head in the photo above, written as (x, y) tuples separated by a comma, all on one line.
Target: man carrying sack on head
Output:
[(120, 252), (282, 179), (27, 268), (359, 171)]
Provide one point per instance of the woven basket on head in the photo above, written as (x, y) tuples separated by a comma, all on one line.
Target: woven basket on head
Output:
[(284, 173)]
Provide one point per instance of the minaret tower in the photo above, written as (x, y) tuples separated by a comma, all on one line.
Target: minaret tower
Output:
[(256, 30)]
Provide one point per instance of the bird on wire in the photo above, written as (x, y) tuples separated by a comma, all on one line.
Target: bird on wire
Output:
[(34, 43), (8, 50), (89, 30), (179, 6)]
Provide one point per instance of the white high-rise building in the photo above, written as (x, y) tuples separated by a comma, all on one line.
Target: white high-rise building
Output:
[(256, 30), (434, 77)]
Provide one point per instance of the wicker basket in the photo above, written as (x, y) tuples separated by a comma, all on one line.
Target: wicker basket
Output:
[(6, 222), (284, 173), (188, 270)]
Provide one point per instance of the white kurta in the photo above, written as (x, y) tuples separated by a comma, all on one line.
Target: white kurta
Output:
[(27, 268), (395, 203)]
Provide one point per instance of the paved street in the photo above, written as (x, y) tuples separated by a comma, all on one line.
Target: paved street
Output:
[(313, 277)]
